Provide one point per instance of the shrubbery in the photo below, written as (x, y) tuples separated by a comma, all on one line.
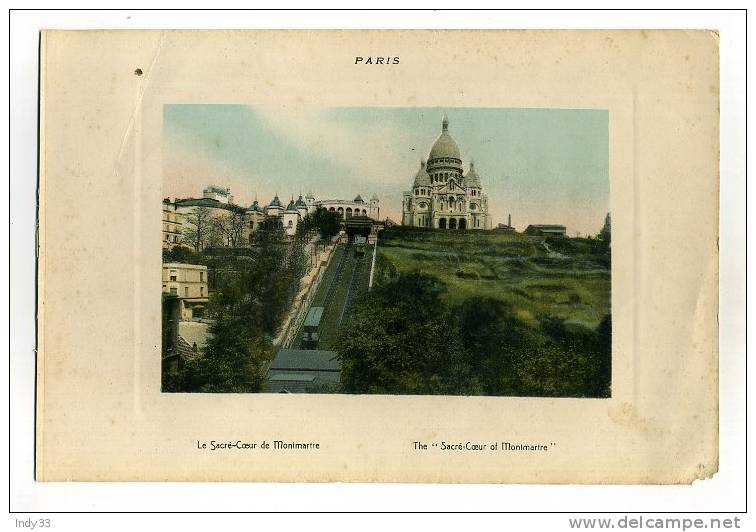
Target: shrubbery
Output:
[(403, 339), (246, 309)]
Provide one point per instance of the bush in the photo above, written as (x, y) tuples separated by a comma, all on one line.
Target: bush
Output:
[(403, 339)]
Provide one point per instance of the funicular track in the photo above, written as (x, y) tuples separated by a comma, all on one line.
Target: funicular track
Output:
[(336, 279), (359, 263), (346, 277)]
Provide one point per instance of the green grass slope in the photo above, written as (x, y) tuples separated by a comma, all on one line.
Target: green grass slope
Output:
[(565, 278)]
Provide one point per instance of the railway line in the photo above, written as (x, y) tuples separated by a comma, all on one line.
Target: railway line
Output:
[(346, 278)]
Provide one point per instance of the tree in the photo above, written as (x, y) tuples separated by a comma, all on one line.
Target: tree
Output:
[(494, 339), (181, 254), (197, 228), (217, 234), (384, 269), (403, 339), (236, 224), (227, 229), (326, 223), (572, 361), (602, 382), (246, 310)]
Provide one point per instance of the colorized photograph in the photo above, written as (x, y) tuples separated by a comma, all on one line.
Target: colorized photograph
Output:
[(385, 250)]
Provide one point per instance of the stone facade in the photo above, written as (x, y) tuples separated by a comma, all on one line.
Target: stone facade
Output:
[(219, 203), (442, 196), (356, 207), (189, 283), (171, 225)]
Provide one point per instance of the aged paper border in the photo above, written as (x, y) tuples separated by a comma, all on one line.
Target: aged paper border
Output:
[(100, 414)]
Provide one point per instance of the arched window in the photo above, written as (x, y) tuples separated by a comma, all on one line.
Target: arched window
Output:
[(349, 212), (332, 209)]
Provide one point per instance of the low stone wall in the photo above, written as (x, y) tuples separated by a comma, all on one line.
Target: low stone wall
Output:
[(194, 332), (310, 283)]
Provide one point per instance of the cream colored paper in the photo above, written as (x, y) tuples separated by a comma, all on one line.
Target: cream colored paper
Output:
[(100, 413)]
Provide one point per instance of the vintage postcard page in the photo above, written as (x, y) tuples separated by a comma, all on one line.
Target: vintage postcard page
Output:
[(378, 256)]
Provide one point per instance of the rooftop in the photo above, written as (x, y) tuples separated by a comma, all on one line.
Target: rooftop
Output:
[(300, 370), (207, 202), (305, 360), (178, 265), (445, 146), (313, 317)]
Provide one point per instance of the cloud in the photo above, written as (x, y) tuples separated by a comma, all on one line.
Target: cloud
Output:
[(543, 166), (369, 152), (187, 171), (374, 157)]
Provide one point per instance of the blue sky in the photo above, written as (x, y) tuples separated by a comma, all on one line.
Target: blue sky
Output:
[(540, 165)]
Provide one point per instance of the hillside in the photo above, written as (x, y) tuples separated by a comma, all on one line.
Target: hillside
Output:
[(564, 278)]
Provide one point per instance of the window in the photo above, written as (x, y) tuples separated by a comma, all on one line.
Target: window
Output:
[(186, 291), (202, 291), (202, 277), (291, 223), (173, 275), (174, 290)]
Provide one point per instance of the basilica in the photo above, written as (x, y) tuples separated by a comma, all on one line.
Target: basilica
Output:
[(442, 196)]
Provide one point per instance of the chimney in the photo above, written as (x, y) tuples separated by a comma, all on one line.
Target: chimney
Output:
[(509, 220)]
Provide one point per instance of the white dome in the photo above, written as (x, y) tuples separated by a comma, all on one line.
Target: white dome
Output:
[(422, 179), (445, 146)]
